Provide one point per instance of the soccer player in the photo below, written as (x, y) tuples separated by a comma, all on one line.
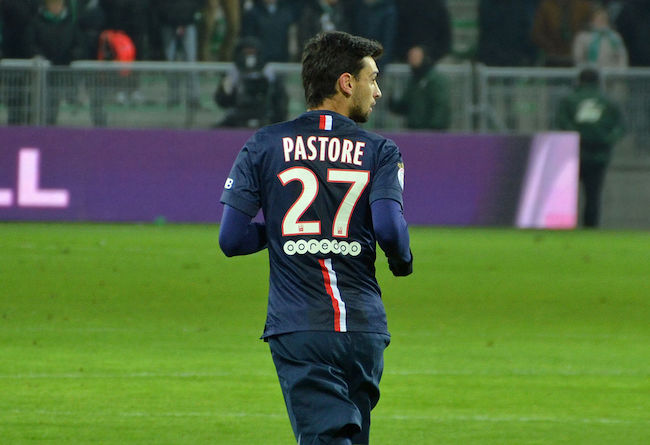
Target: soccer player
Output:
[(329, 191)]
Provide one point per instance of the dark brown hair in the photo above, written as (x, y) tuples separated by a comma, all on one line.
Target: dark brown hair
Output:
[(327, 56)]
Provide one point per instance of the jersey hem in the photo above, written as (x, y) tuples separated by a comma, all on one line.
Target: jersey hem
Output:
[(267, 335)]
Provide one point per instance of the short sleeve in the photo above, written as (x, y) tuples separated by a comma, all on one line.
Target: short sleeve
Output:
[(241, 189), (388, 181)]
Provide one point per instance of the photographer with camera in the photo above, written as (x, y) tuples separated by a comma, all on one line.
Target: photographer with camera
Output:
[(251, 92)]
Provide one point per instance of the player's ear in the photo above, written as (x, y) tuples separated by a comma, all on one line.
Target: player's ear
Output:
[(345, 84)]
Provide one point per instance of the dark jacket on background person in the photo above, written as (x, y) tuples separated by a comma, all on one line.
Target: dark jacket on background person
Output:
[(92, 21), (57, 39), (595, 117), (376, 20), (270, 28), (504, 32), (423, 22), (633, 23), (599, 122), (16, 15), (177, 12), (252, 94), (426, 102), (316, 17)]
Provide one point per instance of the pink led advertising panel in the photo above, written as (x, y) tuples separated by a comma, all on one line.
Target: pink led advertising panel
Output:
[(56, 174)]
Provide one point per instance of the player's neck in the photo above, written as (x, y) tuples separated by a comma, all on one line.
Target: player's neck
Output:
[(336, 104)]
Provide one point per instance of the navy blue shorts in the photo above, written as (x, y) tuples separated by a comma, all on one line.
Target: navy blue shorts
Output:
[(330, 383)]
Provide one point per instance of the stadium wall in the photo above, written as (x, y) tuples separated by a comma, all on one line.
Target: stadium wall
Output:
[(111, 175)]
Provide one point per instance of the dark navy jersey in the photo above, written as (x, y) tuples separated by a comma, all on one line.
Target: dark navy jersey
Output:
[(314, 179)]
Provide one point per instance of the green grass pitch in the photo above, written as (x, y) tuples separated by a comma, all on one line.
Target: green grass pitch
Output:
[(144, 334)]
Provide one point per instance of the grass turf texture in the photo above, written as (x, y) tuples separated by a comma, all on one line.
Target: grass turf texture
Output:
[(128, 334)]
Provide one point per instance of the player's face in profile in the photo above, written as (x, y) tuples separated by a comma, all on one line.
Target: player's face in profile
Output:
[(366, 91)]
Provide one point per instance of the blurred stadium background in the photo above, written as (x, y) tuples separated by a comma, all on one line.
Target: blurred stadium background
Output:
[(512, 100), (485, 100)]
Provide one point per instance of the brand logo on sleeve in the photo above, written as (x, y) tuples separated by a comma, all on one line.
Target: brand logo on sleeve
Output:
[(400, 174)]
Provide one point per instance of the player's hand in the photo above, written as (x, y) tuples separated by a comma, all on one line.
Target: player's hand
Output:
[(399, 267)]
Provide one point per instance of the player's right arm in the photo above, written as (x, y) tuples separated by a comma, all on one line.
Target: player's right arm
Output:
[(238, 235)]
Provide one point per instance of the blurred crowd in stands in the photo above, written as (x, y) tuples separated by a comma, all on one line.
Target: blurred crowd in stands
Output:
[(511, 33), (587, 34), (208, 30), (605, 33)]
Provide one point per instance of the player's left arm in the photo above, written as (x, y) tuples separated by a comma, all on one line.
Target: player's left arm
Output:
[(392, 235), (389, 224), (239, 235)]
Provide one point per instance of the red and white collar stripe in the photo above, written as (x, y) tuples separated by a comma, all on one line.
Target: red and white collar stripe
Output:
[(325, 122)]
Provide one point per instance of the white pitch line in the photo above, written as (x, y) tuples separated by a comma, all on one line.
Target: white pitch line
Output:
[(132, 375), (513, 419), (389, 417), (100, 246), (545, 335), (524, 373), (399, 373), (179, 414), (21, 329)]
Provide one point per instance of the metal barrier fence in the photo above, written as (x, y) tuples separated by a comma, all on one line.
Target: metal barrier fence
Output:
[(525, 99), (180, 95), (168, 94), (90, 93)]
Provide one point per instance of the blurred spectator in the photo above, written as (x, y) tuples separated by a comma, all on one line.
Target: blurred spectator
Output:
[(555, 25), (251, 92), (132, 17), (16, 15), (269, 21), (423, 22), (320, 16), (92, 21), (633, 23), (230, 10), (426, 101), (377, 20), (600, 125), (298, 5), (613, 8), (599, 46), (54, 34), (207, 28), (504, 37), (179, 34)]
